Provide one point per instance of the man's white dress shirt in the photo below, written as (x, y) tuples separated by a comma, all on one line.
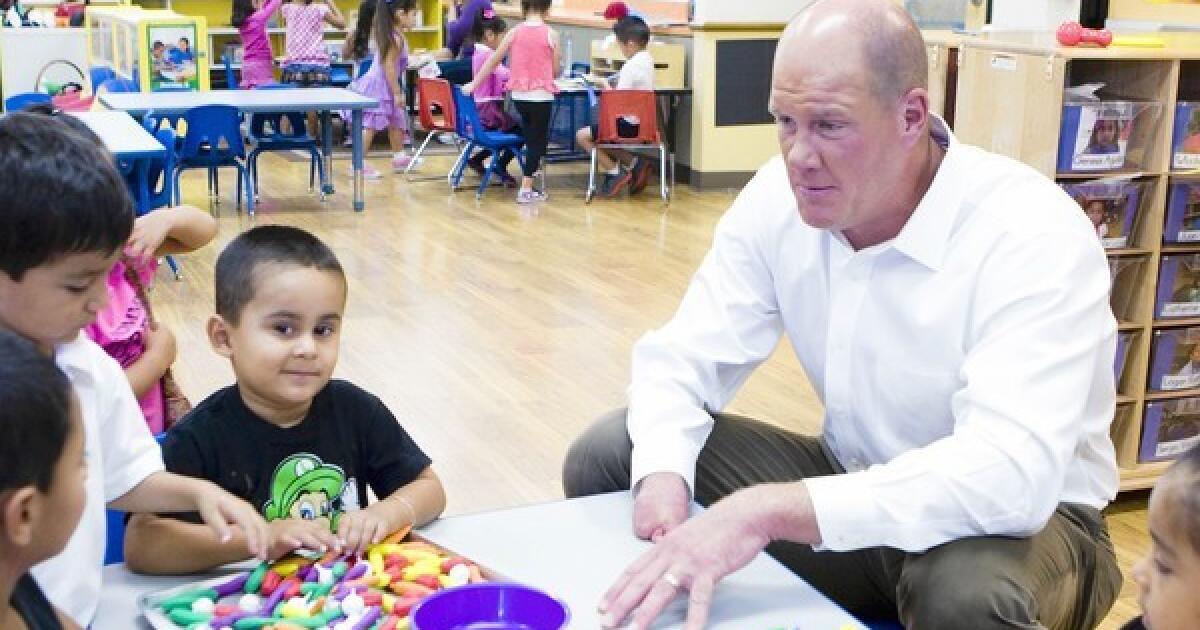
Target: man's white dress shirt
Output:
[(965, 365)]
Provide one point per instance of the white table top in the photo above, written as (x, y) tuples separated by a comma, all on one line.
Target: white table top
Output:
[(327, 98), (122, 134), (572, 549), (575, 550)]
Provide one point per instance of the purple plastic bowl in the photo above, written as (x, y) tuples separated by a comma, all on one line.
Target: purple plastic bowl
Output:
[(490, 606)]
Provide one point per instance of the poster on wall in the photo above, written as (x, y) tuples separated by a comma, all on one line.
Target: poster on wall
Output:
[(172, 56)]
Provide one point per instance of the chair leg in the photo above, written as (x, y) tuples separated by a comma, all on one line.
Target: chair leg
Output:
[(420, 150), (493, 165), (591, 187), (252, 164), (238, 195), (174, 265), (244, 174), (175, 186), (662, 175), (216, 184), (459, 166), (320, 165)]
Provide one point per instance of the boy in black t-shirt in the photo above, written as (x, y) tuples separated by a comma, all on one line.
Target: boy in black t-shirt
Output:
[(299, 447)]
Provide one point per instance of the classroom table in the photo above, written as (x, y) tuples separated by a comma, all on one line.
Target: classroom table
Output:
[(573, 549), (131, 144), (325, 100)]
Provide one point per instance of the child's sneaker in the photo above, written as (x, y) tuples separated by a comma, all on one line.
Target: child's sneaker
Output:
[(402, 162), (640, 169), (369, 172), (531, 196)]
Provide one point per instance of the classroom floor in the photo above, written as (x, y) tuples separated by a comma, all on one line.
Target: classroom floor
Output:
[(496, 332)]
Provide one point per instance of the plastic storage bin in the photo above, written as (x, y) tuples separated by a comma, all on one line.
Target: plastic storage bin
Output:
[(1182, 224), (1126, 274), (1185, 139), (1113, 208), (1178, 286), (1124, 341), (1175, 359), (1169, 428), (1102, 136)]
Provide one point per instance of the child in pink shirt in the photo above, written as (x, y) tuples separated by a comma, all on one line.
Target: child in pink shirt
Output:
[(307, 60), (532, 48), (489, 95), (258, 61)]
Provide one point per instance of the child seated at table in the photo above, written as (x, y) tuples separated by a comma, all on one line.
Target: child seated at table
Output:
[(489, 96), (41, 481), (300, 447), (622, 169), (1169, 576), (65, 213)]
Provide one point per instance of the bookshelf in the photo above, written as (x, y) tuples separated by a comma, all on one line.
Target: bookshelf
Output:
[(1010, 99)]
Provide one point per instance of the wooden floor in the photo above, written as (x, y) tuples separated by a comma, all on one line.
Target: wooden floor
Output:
[(496, 332)]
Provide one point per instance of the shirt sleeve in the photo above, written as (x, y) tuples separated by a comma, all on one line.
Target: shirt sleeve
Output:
[(1038, 376), (726, 325), (130, 452), (392, 458)]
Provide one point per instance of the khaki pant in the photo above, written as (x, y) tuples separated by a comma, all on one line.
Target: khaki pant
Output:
[(1065, 577)]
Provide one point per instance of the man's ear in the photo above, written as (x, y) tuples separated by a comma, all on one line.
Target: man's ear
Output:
[(915, 109), (218, 336), (19, 509)]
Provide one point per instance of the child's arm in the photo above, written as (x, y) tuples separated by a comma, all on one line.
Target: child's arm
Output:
[(335, 16), (167, 492), (558, 69), (490, 65), (389, 70), (416, 503), (177, 230), (160, 545), (145, 372)]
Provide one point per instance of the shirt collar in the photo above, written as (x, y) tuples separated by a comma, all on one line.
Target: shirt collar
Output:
[(926, 234), (73, 358)]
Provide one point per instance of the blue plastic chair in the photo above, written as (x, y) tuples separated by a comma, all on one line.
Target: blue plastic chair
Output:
[(100, 74), (473, 131), (18, 102), (214, 140), (277, 140)]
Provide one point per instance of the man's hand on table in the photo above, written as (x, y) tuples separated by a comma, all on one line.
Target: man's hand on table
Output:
[(695, 555)]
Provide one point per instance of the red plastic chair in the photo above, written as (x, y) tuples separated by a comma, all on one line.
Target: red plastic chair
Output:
[(615, 104), (435, 107)]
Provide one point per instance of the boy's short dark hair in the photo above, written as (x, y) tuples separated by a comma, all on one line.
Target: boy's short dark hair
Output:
[(34, 402), (60, 192), (541, 6), (241, 261), (1185, 473), (632, 29)]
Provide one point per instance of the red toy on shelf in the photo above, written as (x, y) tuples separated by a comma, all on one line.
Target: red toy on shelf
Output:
[(1073, 34)]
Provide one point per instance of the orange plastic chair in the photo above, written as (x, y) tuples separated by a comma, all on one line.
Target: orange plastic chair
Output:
[(615, 104), (435, 107)]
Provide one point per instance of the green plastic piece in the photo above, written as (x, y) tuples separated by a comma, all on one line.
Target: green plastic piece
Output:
[(187, 617), (254, 582), (185, 599), (315, 590), (339, 569)]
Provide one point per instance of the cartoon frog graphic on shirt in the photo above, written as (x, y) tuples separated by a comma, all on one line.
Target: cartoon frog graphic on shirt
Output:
[(304, 486)]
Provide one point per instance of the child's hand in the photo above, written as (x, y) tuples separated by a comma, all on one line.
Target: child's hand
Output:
[(468, 87), (160, 341), (149, 232), (290, 534), (367, 526), (219, 509)]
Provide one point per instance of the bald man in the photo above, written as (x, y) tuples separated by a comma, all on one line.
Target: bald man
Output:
[(949, 306)]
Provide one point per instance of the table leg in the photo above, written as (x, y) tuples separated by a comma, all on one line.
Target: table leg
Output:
[(356, 157), (327, 147)]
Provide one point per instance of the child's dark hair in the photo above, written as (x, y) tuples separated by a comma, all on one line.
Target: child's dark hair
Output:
[(244, 257), (632, 29), (362, 28), (1184, 477), (60, 193), (483, 23), (35, 399), (242, 9), (385, 23), (541, 7)]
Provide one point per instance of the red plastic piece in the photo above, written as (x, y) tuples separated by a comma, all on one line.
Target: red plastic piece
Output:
[(1073, 34)]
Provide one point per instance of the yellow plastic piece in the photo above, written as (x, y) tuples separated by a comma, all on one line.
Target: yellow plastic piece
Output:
[(1138, 41)]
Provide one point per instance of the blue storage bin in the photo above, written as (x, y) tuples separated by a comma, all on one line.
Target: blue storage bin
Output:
[(1112, 207), (1096, 136), (1175, 359), (1178, 287), (1182, 224), (1185, 137), (1169, 429)]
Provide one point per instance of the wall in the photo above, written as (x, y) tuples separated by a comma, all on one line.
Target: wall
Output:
[(1036, 15), (1143, 10)]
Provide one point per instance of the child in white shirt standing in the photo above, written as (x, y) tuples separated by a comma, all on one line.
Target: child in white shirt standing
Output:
[(621, 168)]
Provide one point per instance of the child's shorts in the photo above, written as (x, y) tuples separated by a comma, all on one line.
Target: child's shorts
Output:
[(305, 75)]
